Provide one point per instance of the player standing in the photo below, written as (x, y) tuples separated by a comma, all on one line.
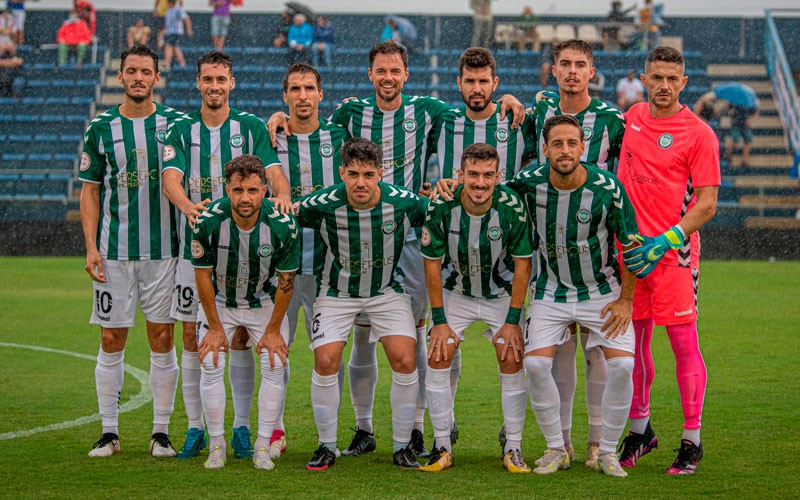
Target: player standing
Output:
[(481, 240), (363, 224), (197, 147), (670, 167), (578, 211), (245, 255), (129, 229)]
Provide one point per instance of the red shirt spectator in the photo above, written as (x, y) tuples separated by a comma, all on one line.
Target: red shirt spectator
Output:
[(74, 32), (87, 13)]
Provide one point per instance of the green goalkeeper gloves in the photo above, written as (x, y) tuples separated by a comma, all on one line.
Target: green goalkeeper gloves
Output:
[(643, 259)]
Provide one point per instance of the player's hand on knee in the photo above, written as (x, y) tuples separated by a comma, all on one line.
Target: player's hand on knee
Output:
[(272, 344), (619, 314), (444, 188), (437, 343), (279, 119), (511, 336), (214, 342), (94, 266)]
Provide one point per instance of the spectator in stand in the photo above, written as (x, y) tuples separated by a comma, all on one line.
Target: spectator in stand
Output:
[(300, 37), (176, 20), (87, 14), (17, 9), (73, 34), (709, 109), (649, 26), (282, 30), (629, 91), (547, 62), (390, 32), (526, 30), (138, 33), (8, 33), (10, 68), (324, 41), (220, 22), (159, 15), (616, 16), (741, 132), (482, 32)]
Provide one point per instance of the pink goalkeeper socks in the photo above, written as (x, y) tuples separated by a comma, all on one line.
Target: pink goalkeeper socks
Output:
[(690, 370)]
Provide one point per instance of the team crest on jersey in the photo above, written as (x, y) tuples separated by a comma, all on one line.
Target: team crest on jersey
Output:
[(409, 125), (86, 162), (197, 249), (161, 135), (389, 227), (583, 216), (265, 251), (326, 150), (587, 133), (237, 140), (494, 233), (501, 135), (425, 239), (665, 141), (169, 153)]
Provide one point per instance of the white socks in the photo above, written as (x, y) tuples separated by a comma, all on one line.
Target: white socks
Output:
[(440, 405), (163, 383), (271, 396), (212, 393), (514, 395), (363, 372), (596, 375), (405, 387), (544, 399), (455, 375), (242, 374), (190, 386), (566, 379), (422, 366), (616, 402), (108, 376), (325, 400)]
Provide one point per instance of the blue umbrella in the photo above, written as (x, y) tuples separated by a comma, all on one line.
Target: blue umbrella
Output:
[(737, 94), (407, 29)]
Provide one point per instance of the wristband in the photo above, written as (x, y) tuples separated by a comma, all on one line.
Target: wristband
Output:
[(437, 314), (512, 318)]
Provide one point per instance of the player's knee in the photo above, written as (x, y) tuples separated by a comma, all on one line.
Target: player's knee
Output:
[(509, 365), (113, 339), (190, 336), (326, 364), (404, 362), (160, 336), (440, 364), (211, 373)]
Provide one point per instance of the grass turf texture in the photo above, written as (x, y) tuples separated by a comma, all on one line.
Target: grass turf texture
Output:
[(749, 336)]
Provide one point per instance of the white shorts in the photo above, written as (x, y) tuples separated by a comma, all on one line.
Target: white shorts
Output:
[(411, 275), (254, 319), (19, 18), (305, 292), (184, 294), (146, 282), (547, 324), (389, 314), (462, 311)]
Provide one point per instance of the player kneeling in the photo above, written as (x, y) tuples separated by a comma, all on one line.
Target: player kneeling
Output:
[(245, 255), (478, 261)]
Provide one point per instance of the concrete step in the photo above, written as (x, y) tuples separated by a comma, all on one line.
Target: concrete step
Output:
[(765, 181), (770, 201), (737, 70), (770, 142), (760, 122), (771, 161), (772, 222)]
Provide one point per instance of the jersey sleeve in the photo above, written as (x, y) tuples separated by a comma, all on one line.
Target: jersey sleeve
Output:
[(289, 259), (529, 137), (92, 162), (616, 130), (175, 154), (519, 241), (202, 247), (436, 107), (341, 115), (434, 237), (416, 214), (704, 159), (308, 212), (262, 146), (622, 216)]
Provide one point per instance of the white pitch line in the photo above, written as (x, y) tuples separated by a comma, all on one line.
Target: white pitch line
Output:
[(139, 400)]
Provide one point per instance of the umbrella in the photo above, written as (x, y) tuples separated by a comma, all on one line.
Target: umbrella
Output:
[(737, 94), (301, 8), (407, 29)]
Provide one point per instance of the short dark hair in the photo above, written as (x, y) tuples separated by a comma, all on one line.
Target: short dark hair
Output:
[(479, 152), (665, 54), (138, 50), (574, 44), (215, 57), (363, 151), (476, 58), (301, 67), (560, 120), (245, 165), (388, 47)]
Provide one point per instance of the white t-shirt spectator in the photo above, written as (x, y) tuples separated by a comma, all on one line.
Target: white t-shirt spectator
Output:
[(630, 88)]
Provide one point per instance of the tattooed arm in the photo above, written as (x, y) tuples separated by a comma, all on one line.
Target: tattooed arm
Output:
[(272, 342)]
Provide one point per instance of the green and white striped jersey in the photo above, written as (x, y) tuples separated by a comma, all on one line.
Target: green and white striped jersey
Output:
[(479, 250), (575, 231), (200, 154), (453, 132), (402, 134), (362, 247), (245, 263), (311, 162), (123, 155), (603, 127)]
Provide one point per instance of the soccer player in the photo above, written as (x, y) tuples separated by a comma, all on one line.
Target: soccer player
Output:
[(310, 159), (477, 250), (129, 229), (603, 127), (197, 147), (245, 255), (578, 210), (670, 167), (363, 224)]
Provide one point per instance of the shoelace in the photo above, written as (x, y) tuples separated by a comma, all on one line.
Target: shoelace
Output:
[(163, 440), (104, 440)]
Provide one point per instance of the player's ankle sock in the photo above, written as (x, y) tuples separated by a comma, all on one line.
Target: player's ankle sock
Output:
[(398, 445), (692, 435), (419, 417), (271, 394), (513, 398), (261, 442), (331, 445), (241, 374), (440, 405), (596, 375), (566, 379), (616, 401), (190, 386), (403, 399), (644, 371), (325, 401), (544, 398), (363, 373), (108, 376), (214, 441), (212, 393), (639, 425), (163, 383), (691, 372)]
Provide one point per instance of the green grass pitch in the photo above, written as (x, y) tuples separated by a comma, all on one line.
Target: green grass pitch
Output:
[(750, 336)]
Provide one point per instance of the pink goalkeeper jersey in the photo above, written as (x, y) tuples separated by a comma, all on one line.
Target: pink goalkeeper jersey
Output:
[(662, 162)]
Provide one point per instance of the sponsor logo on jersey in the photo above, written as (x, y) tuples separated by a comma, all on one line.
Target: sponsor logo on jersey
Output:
[(494, 233), (197, 249), (665, 141), (265, 250), (425, 239), (326, 150), (169, 153), (237, 140), (409, 125), (501, 135), (86, 162), (587, 133), (389, 227), (583, 216), (161, 135)]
